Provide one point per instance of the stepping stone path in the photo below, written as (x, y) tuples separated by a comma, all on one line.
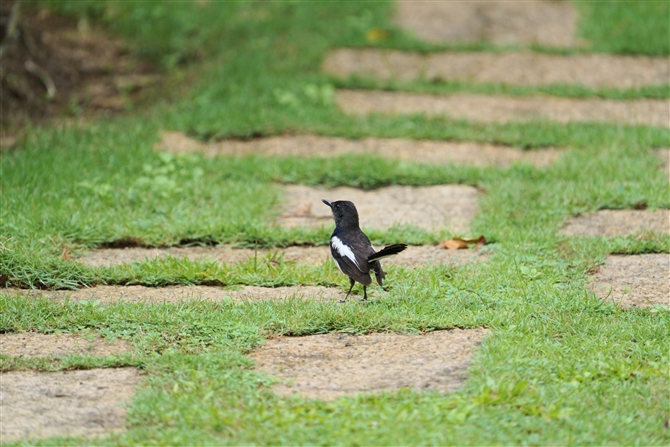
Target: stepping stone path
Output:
[(412, 257), (506, 109), (634, 281), (503, 23), (332, 365), (33, 344), (514, 68), (425, 151), (65, 403), (611, 223), (430, 208), (551, 24), (90, 402)]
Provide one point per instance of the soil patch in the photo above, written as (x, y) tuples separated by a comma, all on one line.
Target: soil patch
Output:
[(333, 365), (431, 208), (543, 23), (609, 223), (414, 256), (65, 403), (179, 294), (60, 65), (32, 344), (634, 280), (424, 151), (515, 68), (504, 109)]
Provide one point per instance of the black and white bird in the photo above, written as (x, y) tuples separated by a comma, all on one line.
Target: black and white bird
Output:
[(352, 250)]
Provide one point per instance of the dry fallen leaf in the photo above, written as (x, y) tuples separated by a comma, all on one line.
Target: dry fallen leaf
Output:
[(459, 243), (304, 210), (377, 34)]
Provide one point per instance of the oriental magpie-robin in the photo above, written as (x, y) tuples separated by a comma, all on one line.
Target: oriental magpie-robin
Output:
[(352, 250)]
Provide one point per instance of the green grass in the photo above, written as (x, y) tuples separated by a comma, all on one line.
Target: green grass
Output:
[(558, 365), (628, 27)]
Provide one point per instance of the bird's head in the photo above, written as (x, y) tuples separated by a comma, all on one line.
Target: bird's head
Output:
[(344, 213)]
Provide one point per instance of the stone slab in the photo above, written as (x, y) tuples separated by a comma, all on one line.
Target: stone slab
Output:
[(610, 223), (432, 208), (513, 68), (33, 344), (421, 151), (505, 109), (178, 294), (545, 23), (413, 256), (332, 365), (65, 403), (634, 280)]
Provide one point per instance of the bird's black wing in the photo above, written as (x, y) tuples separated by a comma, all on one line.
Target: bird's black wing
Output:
[(351, 251)]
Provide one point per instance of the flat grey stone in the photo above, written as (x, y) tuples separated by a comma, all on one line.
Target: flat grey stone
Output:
[(329, 366), (432, 208), (505, 109), (65, 403), (177, 294), (423, 151), (413, 256), (546, 23), (34, 344), (609, 223), (634, 280), (513, 68)]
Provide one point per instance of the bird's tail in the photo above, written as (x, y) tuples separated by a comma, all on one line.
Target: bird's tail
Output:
[(386, 252)]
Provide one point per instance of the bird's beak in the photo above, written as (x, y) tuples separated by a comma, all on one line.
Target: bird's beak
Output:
[(328, 202)]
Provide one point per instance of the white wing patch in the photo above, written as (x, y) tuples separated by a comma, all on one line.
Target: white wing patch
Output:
[(343, 250)]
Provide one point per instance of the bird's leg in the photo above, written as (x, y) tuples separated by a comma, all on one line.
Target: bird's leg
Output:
[(365, 293), (352, 282)]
